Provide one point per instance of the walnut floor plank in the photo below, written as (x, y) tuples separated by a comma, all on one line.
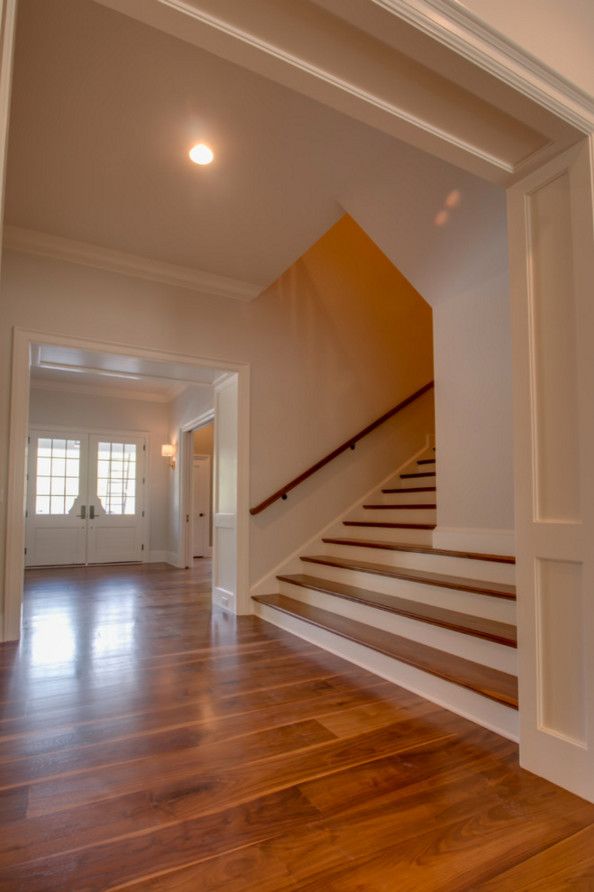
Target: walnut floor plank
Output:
[(196, 751)]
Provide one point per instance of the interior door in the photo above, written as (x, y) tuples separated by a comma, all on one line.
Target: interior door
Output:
[(56, 498), (201, 506), (116, 498)]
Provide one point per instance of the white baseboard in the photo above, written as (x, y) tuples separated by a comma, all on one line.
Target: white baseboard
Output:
[(163, 557), (475, 539)]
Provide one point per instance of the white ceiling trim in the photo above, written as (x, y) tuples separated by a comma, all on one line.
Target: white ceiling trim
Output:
[(346, 86), (460, 30), (119, 393), (29, 241)]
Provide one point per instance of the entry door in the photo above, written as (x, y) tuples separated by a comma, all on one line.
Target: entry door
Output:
[(115, 527), (85, 498), (201, 506), (56, 501)]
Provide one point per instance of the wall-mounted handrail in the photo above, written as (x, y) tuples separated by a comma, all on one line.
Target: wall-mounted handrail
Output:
[(348, 444)]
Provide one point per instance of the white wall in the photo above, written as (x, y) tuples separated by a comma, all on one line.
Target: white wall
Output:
[(461, 269), (474, 422), (75, 410)]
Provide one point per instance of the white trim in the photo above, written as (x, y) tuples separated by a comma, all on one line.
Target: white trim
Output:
[(23, 341), (458, 29), (116, 393), (29, 241), (485, 541), (162, 557)]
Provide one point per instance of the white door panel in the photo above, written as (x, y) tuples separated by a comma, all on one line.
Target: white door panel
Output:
[(85, 500), (201, 506), (551, 276), (56, 508), (116, 474)]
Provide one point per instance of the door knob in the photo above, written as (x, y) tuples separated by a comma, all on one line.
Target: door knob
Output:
[(83, 512), (92, 512), (201, 514)]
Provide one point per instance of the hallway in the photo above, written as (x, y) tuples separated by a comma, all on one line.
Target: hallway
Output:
[(148, 742)]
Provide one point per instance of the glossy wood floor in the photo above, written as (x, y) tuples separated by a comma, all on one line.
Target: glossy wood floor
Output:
[(149, 744)]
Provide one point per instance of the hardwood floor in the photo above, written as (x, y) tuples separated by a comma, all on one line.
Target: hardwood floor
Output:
[(148, 743)]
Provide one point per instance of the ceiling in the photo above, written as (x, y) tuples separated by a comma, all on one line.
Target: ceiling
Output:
[(105, 108), (110, 374)]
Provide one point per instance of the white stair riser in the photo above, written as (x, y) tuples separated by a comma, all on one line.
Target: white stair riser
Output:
[(433, 563), (487, 653), (475, 707), (385, 534), (396, 515), (404, 498), (451, 599)]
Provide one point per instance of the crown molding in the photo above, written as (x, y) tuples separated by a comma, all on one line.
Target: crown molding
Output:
[(29, 241), (458, 29), (346, 86)]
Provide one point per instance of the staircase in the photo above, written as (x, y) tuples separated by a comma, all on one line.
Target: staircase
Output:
[(437, 621)]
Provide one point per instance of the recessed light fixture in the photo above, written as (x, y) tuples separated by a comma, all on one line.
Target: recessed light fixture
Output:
[(201, 154)]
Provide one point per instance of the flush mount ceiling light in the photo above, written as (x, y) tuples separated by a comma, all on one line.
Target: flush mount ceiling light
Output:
[(201, 154)]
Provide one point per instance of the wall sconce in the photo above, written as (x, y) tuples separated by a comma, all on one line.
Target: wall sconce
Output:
[(168, 451)]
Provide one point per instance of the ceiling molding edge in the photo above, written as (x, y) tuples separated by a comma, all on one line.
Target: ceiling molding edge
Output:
[(119, 393), (333, 80), (29, 241), (465, 33)]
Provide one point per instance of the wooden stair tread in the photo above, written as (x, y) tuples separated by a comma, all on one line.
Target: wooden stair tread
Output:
[(426, 461), (389, 525), (411, 489), (418, 474), (491, 630), (476, 586), (422, 549), (412, 507), (488, 682)]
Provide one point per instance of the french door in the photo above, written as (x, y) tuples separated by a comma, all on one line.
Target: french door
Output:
[(85, 498)]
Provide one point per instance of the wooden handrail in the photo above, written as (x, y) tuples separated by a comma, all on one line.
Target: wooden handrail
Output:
[(348, 444)]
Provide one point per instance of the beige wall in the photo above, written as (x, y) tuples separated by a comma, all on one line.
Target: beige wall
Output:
[(335, 342)]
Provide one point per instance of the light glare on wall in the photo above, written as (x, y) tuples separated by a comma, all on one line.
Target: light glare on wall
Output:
[(201, 154)]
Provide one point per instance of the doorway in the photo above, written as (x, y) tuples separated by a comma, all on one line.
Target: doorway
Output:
[(85, 498), (201, 514)]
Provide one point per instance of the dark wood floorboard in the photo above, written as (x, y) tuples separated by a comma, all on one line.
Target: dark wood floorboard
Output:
[(148, 742)]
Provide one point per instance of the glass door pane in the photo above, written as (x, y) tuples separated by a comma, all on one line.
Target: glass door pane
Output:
[(56, 498), (116, 492)]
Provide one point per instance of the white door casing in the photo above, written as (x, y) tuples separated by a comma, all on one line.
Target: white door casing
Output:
[(551, 237), (85, 498), (225, 526), (201, 479)]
